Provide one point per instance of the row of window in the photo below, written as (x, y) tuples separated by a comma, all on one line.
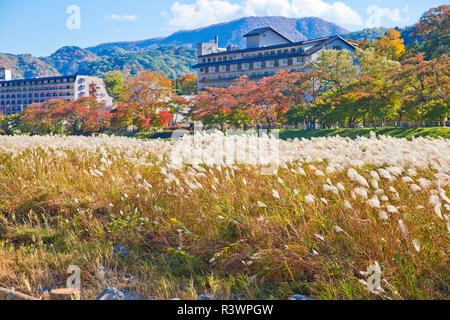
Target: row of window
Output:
[(9, 111), (36, 95), (36, 82), (42, 95), (236, 76), (253, 65), (13, 109), (23, 102), (252, 75), (254, 55), (38, 89)]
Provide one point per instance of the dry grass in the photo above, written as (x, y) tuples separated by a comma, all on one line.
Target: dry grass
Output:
[(226, 231)]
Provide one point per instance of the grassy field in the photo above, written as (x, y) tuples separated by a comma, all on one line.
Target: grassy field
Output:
[(407, 133), (166, 222)]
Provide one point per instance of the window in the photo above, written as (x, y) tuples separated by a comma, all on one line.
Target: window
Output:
[(337, 48)]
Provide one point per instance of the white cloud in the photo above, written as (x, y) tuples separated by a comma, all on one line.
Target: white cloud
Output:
[(121, 17), (206, 12), (202, 13), (377, 14)]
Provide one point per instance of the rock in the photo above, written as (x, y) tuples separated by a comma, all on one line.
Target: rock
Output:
[(120, 250), (101, 273), (111, 293), (44, 291), (128, 277), (299, 297), (11, 294), (65, 294), (131, 295)]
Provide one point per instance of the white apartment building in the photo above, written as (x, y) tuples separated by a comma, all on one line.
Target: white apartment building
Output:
[(267, 52), (16, 95)]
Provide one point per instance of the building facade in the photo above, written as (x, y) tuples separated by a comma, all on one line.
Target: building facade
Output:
[(267, 52), (16, 95)]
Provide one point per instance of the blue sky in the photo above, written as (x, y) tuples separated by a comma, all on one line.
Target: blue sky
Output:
[(40, 27)]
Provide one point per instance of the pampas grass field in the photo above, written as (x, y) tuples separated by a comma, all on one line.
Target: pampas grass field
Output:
[(213, 215)]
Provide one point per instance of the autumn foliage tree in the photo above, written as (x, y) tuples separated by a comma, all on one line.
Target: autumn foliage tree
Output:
[(186, 85), (84, 115), (334, 91), (143, 100), (425, 87), (390, 45), (433, 31)]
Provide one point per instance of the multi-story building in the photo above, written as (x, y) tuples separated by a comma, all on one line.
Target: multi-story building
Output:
[(267, 52), (15, 95)]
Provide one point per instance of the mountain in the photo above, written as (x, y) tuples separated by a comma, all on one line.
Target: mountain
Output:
[(232, 33), (368, 34), (371, 34), (172, 55), (26, 66), (67, 60), (171, 61)]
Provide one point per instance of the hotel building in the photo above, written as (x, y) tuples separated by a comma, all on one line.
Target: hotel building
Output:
[(15, 95), (267, 52)]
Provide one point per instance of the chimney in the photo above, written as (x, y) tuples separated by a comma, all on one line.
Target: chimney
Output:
[(216, 40)]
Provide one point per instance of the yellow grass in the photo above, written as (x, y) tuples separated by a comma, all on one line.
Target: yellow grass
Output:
[(226, 230)]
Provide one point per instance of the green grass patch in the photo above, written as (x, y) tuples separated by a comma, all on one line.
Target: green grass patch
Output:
[(407, 133)]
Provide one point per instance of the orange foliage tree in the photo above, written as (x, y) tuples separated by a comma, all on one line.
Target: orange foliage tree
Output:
[(390, 45), (85, 115), (186, 85), (143, 99)]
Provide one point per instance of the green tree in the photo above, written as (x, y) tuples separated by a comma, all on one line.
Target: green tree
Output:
[(383, 99), (335, 69), (114, 82)]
